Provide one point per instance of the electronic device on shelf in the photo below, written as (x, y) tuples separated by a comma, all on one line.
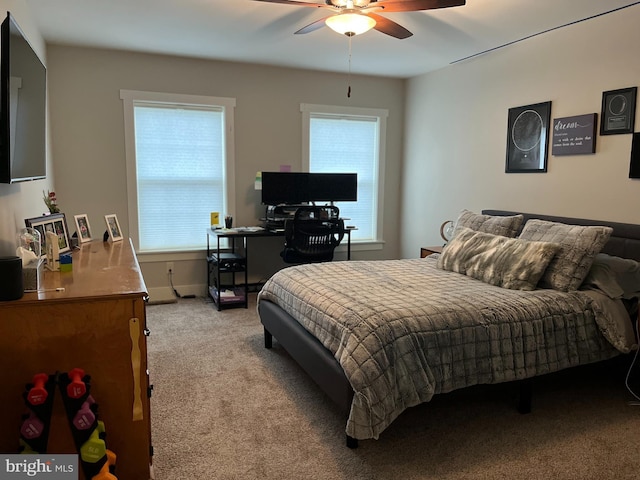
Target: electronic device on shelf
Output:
[(229, 261), (276, 215)]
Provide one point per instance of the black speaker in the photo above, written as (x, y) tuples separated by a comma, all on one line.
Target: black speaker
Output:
[(634, 168), (11, 286)]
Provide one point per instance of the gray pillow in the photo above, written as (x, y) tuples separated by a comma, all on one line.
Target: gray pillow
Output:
[(494, 224), (616, 277), (505, 262), (578, 247)]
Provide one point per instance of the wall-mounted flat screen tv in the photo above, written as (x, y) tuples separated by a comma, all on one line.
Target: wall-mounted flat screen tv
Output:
[(23, 87), (293, 188)]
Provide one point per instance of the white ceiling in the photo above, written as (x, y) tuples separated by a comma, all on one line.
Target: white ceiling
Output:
[(258, 32)]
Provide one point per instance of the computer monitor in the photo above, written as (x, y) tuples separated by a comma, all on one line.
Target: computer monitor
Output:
[(333, 187), (297, 187), (284, 187)]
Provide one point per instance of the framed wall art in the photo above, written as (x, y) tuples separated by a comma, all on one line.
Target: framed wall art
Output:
[(113, 227), (57, 223), (82, 228), (618, 111), (574, 135), (528, 138), (634, 165)]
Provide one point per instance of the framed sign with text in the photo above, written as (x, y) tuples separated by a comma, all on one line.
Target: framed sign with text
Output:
[(618, 111), (574, 135)]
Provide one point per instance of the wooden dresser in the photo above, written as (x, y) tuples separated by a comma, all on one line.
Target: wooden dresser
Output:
[(89, 325)]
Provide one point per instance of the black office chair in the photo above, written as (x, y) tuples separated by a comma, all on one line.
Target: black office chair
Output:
[(312, 235)]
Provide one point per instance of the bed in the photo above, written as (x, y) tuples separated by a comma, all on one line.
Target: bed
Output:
[(381, 336)]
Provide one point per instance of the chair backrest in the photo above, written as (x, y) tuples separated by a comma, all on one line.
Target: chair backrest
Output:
[(313, 234)]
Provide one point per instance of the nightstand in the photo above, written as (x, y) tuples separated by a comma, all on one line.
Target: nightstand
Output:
[(426, 251)]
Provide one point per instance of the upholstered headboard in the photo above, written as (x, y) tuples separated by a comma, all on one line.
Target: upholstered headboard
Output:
[(624, 241)]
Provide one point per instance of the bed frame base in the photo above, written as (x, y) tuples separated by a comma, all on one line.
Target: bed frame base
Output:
[(306, 350), (343, 394), (268, 339), (526, 394), (325, 370)]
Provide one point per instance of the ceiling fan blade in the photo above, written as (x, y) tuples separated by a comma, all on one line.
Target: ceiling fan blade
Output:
[(312, 27), (390, 27), (414, 5), (296, 3)]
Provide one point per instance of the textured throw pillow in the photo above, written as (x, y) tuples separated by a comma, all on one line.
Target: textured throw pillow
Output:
[(616, 277), (505, 262), (494, 224), (578, 247)]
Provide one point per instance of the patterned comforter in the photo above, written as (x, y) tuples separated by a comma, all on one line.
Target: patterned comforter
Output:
[(404, 330)]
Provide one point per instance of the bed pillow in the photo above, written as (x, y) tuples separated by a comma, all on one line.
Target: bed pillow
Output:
[(505, 262), (578, 247), (616, 277), (494, 224)]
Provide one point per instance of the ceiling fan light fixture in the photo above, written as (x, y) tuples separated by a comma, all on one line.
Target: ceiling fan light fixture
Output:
[(350, 23)]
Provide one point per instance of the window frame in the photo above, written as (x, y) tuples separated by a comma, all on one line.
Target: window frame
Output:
[(308, 110), (130, 99)]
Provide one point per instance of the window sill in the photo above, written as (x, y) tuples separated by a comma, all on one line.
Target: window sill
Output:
[(171, 256), (176, 256)]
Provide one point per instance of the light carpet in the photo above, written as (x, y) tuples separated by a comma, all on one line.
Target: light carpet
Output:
[(224, 407)]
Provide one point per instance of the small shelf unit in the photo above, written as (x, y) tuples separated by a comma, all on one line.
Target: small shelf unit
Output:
[(227, 272)]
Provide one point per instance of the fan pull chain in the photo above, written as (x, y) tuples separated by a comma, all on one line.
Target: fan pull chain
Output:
[(349, 76)]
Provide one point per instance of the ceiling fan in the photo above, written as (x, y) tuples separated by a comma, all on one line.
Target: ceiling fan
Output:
[(353, 17)]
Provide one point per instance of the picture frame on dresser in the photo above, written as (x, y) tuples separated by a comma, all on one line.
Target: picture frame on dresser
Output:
[(618, 111), (113, 227), (54, 222), (82, 228), (528, 138)]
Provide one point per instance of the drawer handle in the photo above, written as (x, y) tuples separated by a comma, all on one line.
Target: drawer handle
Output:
[(134, 332)]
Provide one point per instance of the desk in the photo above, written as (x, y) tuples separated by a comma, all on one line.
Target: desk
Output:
[(236, 261)]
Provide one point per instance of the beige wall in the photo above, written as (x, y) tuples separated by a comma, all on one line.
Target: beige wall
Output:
[(22, 200), (88, 138), (457, 121)]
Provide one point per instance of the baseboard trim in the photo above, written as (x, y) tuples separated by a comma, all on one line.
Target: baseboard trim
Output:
[(167, 295)]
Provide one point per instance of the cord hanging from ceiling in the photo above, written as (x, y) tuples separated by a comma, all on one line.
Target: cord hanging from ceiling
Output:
[(349, 74)]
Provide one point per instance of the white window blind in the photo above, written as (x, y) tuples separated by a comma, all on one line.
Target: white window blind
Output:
[(350, 140), (181, 173)]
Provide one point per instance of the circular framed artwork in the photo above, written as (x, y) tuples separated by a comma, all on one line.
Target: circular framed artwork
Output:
[(618, 111), (528, 138)]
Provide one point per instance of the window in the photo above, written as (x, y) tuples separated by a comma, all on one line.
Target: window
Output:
[(179, 167), (347, 140)]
